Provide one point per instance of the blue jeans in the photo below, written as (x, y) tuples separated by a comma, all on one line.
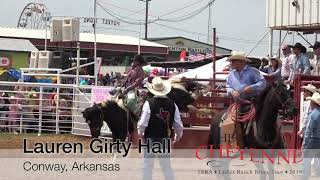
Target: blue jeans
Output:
[(164, 160), (308, 155)]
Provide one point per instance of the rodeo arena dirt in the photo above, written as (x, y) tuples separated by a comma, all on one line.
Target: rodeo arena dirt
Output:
[(70, 110)]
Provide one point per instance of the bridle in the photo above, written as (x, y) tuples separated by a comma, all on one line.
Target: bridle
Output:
[(277, 96)]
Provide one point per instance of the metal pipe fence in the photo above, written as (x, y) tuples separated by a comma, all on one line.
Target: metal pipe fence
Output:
[(44, 108)]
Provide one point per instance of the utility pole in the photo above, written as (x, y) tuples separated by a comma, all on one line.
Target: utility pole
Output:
[(209, 23), (95, 42), (146, 21)]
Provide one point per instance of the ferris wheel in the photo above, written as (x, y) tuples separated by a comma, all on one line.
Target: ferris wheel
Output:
[(34, 16)]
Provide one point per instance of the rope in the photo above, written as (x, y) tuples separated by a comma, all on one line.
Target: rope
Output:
[(243, 117)]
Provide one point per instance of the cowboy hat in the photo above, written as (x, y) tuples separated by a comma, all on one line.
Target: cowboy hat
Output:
[(315, 98), (139, 58), (275, 57), (310, 88), (238, 56), (159, 87), (316, 45), (300, 46)]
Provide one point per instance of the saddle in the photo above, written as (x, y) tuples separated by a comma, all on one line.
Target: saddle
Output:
[(227, 131), (128, 103), (237, 122)]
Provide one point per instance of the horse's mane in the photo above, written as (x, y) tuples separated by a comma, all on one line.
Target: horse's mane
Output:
[(260, 100), (266, 115)]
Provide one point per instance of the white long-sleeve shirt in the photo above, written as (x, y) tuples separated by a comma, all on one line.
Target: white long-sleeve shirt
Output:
[(304, 115), (145, 117), (315, 63), (285, 68)]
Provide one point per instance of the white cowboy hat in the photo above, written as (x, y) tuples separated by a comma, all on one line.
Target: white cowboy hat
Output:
[(159, 87), (310, 88), (238, 56), (315, 98)]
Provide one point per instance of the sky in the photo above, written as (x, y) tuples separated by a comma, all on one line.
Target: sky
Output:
[(240, 24)]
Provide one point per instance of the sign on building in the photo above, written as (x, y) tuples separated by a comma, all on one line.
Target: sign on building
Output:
[(99, 21), (188, 49), (5, 62)]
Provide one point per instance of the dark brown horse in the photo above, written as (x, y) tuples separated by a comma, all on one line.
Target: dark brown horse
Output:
[(266, 133), (118, 120), (274, 98)]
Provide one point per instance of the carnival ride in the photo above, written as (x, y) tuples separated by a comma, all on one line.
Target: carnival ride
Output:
[(34, 16)]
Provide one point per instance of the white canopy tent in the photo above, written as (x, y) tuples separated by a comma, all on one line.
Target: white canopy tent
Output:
[(206, 71)]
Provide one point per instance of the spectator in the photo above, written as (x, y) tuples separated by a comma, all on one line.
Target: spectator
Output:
[(311, 140), (83, 82), (65, 123), (111, 79), (4, 107), (14, 114), (29, 109), (299, 63), (308, 91), (107, 79), (285, 68), (273, 69), (315, 63), (111, 74)]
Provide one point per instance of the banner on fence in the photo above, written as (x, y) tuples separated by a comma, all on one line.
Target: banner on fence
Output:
[(100, 94)]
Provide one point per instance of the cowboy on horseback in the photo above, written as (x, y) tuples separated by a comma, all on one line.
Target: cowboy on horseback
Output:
[(243, 81), (134, 81), (244, 84)]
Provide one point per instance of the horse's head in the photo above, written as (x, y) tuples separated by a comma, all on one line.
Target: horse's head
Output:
[(93, 116), (283, 96)]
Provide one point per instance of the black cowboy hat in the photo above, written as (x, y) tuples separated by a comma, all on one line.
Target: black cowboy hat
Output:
[(139, 58), (300, 46), (316, 45)]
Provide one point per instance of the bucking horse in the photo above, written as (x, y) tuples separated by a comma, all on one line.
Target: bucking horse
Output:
[(121, 120)]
